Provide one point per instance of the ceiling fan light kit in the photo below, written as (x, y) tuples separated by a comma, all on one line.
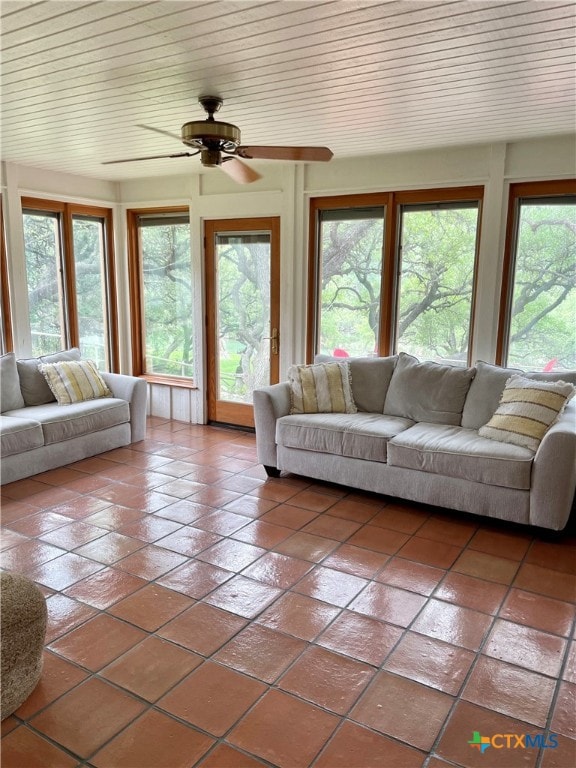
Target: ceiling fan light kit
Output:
[(213, 138)]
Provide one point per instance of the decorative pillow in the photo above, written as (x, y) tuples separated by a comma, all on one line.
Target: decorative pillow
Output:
[(370, 378), (321, 388), (35, 390), (486, 390), (74, 381), (527, 409), (428, 391)]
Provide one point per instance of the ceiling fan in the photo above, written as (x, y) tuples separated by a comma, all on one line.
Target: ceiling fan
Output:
[(218, 145)]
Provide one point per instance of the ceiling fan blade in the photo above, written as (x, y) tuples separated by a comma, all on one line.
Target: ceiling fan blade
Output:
[(159, 130), (312, 154), (239, 171), (149, 157)]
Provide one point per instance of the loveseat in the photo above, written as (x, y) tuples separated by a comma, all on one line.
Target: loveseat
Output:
[(416, 436), (38, 434)]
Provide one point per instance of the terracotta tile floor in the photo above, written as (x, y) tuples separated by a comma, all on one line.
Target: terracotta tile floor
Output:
[(202, 615)]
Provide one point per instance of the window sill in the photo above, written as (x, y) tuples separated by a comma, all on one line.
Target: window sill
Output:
[(169, 381)]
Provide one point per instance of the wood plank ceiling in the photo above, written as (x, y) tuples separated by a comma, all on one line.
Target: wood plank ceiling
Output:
[(358, 76)]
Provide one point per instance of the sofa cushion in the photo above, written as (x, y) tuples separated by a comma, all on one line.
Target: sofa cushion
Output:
[(73, 381), (527, 409), (78, 419), (19, 434), (358, 435), (427, 391), (321, 388), (370, 380), (10, 393), (35, 390), (486, 390), (457, 452)]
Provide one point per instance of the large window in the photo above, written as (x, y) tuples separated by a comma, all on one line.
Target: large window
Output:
[(70, 279), (161, 285), (538, 317), (394, 272)]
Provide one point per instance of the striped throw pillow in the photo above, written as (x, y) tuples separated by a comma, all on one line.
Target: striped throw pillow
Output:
[(321, 388), (527, 409), (74, 381)]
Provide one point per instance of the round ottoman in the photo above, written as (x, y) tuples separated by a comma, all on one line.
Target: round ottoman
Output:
[(22, 631)]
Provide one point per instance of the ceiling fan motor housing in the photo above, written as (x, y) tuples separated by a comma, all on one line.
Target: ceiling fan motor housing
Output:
[(211, 134)]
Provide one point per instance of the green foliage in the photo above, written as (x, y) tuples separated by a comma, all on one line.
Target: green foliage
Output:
[(243, 316), (167, 290), (437, 266), (435, 296), (90, 289), (435, 285), (351, 257), (41, 243), (46, 289), (543, 320)]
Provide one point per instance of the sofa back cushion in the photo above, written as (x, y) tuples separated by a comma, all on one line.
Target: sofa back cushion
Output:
[(487, 388), (427, 391), (35, 390), (370, 379), (10, 394)]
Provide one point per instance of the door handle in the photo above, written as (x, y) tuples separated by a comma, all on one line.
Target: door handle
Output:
[(274, 339)]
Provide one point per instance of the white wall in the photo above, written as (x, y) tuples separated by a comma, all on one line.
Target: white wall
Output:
[(285, 191)]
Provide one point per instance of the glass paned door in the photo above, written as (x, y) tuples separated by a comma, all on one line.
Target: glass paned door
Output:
[(243, 315)]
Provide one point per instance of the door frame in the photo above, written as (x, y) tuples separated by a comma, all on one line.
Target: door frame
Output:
[(222, 411)]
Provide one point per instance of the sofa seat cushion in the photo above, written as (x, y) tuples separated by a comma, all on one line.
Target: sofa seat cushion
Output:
[(19, 434), (458, 452), (357, 435), (65, 422)]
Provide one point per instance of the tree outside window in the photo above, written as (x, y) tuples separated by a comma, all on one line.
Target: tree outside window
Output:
[(162, 284), (542, 324), (70, 279), (410, 290)]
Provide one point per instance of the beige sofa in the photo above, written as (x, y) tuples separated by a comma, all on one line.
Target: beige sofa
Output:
[(38, 434), (415, 436)]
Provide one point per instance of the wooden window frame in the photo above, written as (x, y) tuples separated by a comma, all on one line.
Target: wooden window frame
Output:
[(66, 213), (517, 192), (7, 335), (392, 203), (136, 297)]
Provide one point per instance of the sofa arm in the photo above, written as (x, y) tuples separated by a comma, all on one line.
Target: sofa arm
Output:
[(270, 403), (554, 473), (135, 392)]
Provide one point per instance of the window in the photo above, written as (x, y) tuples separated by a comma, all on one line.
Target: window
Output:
[(538, 308), (350, 270), (436, 271), (70, 278), (161, 286), (394, 272)]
